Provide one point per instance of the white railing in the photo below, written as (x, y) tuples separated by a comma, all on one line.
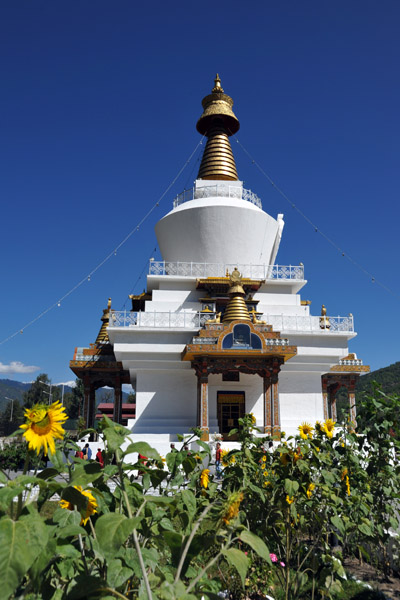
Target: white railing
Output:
[(218, 190), (308, 323), (184, 320), (195, 269), (353, 362), (191, 320)]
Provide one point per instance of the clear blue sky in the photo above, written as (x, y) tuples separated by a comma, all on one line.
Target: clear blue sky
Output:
[(97, 115)]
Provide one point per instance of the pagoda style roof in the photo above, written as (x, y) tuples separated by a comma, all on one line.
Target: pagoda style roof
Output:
[(221, 285), (238, 339)]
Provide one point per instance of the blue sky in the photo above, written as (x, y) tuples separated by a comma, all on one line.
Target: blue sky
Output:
[(97, 115)]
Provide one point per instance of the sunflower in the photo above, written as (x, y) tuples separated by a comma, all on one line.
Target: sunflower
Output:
[(285, 458), (310, 489), (43, 426), (224, 458), (348, 485), (344, 473), (305, 431), (253, 419), (91, 504), (328, 427), (289, 499), (204, 478), (232, 508)]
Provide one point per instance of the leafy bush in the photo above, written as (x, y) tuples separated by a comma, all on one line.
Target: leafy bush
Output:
[(174, 533)]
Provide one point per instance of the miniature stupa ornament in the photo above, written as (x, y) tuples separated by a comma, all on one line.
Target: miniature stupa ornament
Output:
[(218, 122), (103, 335), (236, 309)]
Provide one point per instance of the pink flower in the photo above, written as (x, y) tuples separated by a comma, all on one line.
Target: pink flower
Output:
[(273, 557), (282, 564), (246, 553)]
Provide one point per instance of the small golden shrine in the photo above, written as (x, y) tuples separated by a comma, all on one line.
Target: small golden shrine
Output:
[(237, 342), (98, 367)]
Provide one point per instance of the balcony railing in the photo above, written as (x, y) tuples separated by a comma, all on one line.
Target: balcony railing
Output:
[(220, 190), (191, 320), (195, 269)]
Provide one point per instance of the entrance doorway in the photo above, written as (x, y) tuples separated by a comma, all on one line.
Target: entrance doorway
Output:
[(230, 408)]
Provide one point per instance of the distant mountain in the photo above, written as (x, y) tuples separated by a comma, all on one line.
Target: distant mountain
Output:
[(15, 390), (11, 389), (387, 377)]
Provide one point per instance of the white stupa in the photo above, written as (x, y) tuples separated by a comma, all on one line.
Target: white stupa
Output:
[(221, 329)]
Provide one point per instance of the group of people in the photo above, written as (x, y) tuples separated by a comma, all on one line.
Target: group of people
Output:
[(86, 454)]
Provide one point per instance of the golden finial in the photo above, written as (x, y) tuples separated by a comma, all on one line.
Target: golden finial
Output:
[(218, 122), (103, 335), (217, 85)]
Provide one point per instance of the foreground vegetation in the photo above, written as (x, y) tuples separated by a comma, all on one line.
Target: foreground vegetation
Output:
[(279, 524)]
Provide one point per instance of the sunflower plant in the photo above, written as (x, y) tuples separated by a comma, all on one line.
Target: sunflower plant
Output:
[(164, 528)]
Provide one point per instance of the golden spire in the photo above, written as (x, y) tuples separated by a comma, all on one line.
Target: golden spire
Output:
[(103, 335), (218, 122), (236, 308)]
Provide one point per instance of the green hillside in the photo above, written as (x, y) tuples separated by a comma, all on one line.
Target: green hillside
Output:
[(11, 389), (15, 390), (388, 378)]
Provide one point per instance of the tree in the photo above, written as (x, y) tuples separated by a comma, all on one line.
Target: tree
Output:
[(73, 401), (131, 399), (38, 393)]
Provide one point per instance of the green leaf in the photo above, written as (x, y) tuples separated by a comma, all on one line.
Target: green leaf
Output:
[(117, 574), (113, 529), (174, 459), (115, 437), (48, 473), (190, 501), (3, 477), (86, 473), (365, 529), (66, 518), (167, 524), (338, 523), (239, 560), (256, 544), (150, 557), (204, 445), (328, 476), (70, 531), (20, 543), (144, 449), (291, 487), (174, 541)]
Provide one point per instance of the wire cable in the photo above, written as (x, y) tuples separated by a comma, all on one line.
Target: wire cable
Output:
[(110, 255), (315, 227), (139, 277)]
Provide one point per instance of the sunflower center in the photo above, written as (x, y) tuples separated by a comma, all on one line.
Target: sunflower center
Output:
[(43, 427)]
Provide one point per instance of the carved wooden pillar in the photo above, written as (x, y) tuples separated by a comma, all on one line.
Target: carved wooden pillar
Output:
[(268, 404), (276, 417), (91, 406), (324, 381), (202, 405), (86, 400), (353, 410), (117, 416)]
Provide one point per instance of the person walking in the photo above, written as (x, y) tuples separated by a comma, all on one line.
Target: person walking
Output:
[(218, 462), (87, 452), (99, 458)]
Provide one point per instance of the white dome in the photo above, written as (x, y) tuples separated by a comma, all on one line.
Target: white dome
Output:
[(219, 230)]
